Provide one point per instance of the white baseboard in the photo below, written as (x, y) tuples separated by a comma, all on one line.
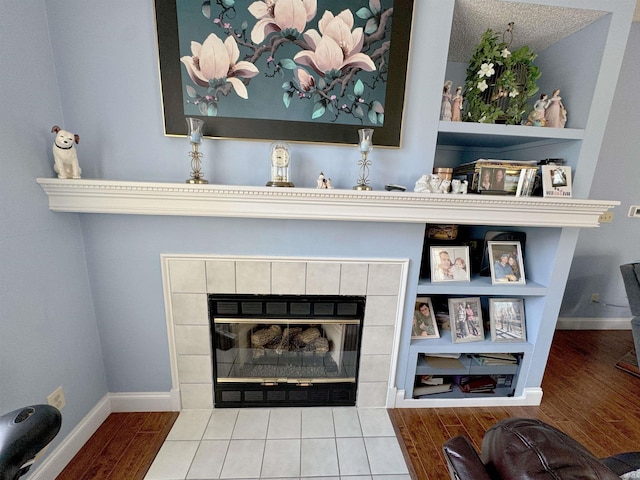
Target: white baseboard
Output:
[(593, 323), (530, 397), (59, 457)]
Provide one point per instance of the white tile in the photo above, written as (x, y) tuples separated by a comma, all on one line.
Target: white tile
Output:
[(352, 456), (173, 460), (187, 276), (375, 422), (317, 423), (221, 424), (385, 456), (323, 278), (192, 339), (372, 394), (244, 459), (253, 277), (190, 425), (384, 279), (285, 423), (288, 278), (346, 422), (377, 340), (196, 396), (381, 309), (374, 368), (281, 459), (391, 477), (194, 368), (189, 309), (208, 461), (251, 424), (319, 457), (221, 276), (353, 278)]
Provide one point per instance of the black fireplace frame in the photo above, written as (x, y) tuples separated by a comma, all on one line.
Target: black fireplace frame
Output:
[(231, 394)]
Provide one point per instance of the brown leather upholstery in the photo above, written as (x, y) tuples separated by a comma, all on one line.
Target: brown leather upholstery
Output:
[(529, 449)]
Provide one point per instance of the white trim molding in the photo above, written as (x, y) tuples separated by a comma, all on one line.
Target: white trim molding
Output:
[(530, 397), (147, 198), (593, 323)]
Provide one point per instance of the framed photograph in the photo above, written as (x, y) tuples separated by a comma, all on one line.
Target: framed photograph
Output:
[(450, 264), (505, 262), (556, 181), (506, 316), (424, 320), (307, 71), (498, 180), (466, 320)]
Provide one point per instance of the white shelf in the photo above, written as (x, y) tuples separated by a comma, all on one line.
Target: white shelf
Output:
[(147, 198), (499, 136), (481, 286)]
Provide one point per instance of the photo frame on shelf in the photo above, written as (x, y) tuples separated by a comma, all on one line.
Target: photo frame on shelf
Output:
[(556, 181), (507, 320), (254, 73), (424, 320), (506, 263), (450, 264), (466, 320), (497, 236)]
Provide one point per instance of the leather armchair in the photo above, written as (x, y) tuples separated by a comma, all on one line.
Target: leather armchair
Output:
[(631, 277), (529, 449)]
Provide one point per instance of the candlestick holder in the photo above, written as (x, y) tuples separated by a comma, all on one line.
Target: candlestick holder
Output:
[(365, 146), (195, 138)]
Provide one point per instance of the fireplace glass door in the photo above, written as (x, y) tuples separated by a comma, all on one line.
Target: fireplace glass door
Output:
[(285, 350)]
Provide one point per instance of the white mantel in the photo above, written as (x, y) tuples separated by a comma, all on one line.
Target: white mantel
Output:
[(150, 198)]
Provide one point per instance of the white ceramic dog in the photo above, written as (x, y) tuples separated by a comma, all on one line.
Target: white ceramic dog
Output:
[(65, 158)]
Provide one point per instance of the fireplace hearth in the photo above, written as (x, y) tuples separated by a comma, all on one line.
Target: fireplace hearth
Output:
[(285, 350)]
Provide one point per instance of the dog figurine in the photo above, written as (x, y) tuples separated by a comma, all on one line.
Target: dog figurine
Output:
[(65, 159)]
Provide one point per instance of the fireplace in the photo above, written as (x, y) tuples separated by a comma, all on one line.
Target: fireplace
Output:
[(189, 281), (275, 350)]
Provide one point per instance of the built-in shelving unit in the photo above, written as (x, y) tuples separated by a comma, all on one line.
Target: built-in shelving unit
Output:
[(548, 250)]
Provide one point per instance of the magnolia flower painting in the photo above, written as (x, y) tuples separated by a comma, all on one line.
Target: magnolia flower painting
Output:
[(268, 68)]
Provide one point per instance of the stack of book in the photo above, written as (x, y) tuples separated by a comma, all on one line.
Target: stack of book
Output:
[(495, 359), (476, 383), (428, 385)]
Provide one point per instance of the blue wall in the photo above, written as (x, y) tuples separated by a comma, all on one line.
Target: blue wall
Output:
[(601, 251), (48, 330)]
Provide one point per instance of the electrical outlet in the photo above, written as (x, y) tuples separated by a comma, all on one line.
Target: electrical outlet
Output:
[(595, 297), (606, 217), (56, 398), (634, 211)]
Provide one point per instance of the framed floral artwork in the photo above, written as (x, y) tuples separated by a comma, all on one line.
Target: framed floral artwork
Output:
[(296, 70)]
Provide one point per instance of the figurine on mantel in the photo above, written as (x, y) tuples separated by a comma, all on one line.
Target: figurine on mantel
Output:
[(555, 115), (65, 158), (323, 182)]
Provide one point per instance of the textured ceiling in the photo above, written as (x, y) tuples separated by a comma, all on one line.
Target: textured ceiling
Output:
[(537, 26)]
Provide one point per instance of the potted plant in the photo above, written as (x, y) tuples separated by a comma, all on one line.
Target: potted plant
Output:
[(499, 81)]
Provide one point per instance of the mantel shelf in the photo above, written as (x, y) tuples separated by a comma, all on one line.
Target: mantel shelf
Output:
[(148, 198)]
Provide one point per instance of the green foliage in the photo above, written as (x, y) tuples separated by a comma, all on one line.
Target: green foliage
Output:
[(501, 84)]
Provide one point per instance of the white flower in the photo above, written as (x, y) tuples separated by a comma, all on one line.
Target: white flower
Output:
[(514, 93), (482, 86), (482, 119), (505, 53), (486, 70)]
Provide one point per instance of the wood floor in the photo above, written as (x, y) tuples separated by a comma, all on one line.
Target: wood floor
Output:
[(584, 395), (123, 448)]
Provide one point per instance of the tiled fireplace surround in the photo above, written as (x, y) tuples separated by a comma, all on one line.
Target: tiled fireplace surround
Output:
[(188, 279)]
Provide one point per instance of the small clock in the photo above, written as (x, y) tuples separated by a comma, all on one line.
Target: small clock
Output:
[(280, 159)]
